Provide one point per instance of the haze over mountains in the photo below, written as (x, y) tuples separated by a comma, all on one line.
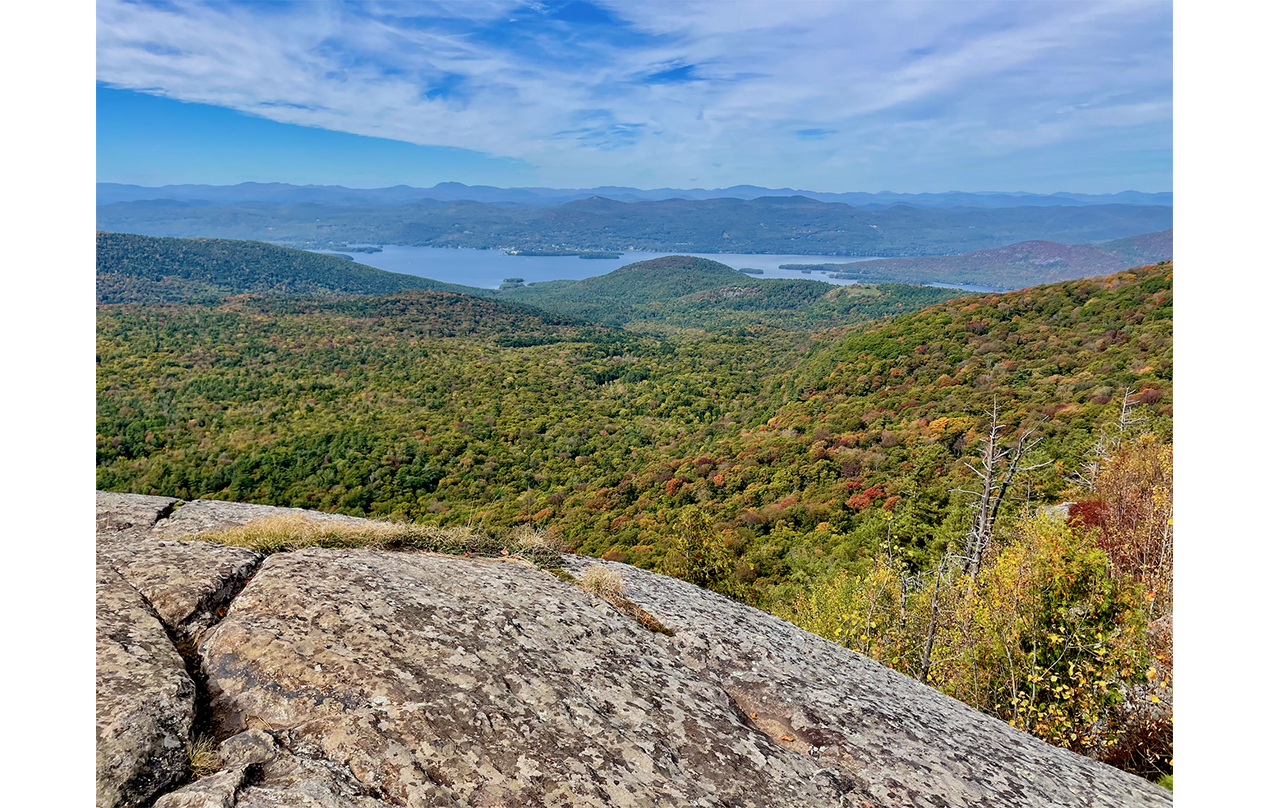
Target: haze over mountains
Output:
[(1013, 266), (779, 225), (280, 193)]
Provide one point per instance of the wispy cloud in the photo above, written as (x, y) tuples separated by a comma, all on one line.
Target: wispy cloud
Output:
[(829, 95)]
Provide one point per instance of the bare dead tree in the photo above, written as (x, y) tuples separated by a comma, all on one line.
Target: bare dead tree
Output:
[(997, 467), (932, 625), (1109, 441)]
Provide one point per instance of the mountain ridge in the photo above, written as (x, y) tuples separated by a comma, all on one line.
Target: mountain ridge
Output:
[(771, 225), (540, 196), (1013, 266), (133, 268)]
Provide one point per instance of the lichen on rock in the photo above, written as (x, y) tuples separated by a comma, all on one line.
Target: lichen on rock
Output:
[(145, 699), (363, 678)]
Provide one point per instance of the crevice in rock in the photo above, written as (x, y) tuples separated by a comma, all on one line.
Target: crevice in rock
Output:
[(166, 512), (218, 604), (186, 643)]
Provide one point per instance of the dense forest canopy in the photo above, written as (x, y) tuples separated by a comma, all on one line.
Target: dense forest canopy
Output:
[(429, 405), (769, 439)]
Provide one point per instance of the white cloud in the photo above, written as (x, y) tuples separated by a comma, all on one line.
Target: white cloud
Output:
[(910, 85)]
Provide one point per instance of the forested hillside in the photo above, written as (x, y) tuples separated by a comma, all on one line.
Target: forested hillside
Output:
[(684, 292), (142, 269), (823, 475), (660, 295), (448, 408)]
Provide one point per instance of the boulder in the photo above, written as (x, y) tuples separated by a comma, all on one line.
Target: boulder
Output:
[(145, 699)]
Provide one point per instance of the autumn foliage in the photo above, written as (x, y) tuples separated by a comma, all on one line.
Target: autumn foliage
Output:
[(1065, 631)]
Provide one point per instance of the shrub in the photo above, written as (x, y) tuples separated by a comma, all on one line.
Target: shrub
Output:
[(700, 555), (1045, 636)]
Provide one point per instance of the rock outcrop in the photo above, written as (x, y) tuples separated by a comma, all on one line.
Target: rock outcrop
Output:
[(145, 698), (370, 678)]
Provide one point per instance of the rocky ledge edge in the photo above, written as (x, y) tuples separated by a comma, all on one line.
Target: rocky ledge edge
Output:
[(359, 678)]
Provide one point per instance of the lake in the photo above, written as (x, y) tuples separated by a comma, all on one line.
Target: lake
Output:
[(488, 268)]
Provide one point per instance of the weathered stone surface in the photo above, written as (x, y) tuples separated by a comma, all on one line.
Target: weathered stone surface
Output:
[(189, 584), (296, 782), (219, 790), (261, 774), (444, 681), (362, 679), (910, 744), (246, 748), (206, 514), (145, 699), (116, 512)]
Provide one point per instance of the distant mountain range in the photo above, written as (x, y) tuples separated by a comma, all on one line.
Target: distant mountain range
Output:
[(780, 225), (278, 193), (1014, 266)]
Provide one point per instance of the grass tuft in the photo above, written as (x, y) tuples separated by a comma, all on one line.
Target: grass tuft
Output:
[(204, 759), (277, 534), (606, 584)]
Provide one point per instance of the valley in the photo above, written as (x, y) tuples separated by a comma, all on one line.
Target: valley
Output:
[(604, 404), (779, 441)]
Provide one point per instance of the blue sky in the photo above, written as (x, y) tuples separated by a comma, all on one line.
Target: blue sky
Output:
[(828, 96)]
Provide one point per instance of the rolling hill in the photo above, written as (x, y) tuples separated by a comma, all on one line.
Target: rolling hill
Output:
[(142, 269), (683, 292)]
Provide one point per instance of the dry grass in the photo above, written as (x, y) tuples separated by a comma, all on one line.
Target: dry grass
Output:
[(204, 759), (606, 584), (603, 583), (276, 534)]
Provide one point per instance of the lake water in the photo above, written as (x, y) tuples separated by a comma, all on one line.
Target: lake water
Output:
[(488, 268)]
